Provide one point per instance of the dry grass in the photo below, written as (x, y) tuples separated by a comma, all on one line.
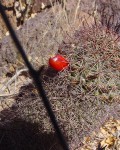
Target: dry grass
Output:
[(85, 95), (108, 137)]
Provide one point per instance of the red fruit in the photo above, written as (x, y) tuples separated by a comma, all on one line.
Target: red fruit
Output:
[(58, 62)]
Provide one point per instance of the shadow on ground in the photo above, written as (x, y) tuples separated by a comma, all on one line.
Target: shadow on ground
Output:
[(22, 135)]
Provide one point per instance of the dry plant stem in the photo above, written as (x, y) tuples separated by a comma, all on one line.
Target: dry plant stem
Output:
[(8, 95), (12, 79), (76, 11), (52, 6)]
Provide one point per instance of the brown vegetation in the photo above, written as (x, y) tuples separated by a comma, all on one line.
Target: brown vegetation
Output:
[(83, 97)]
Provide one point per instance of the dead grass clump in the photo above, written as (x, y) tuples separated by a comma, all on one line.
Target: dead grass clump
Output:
[(107, 137), (84, 95)]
